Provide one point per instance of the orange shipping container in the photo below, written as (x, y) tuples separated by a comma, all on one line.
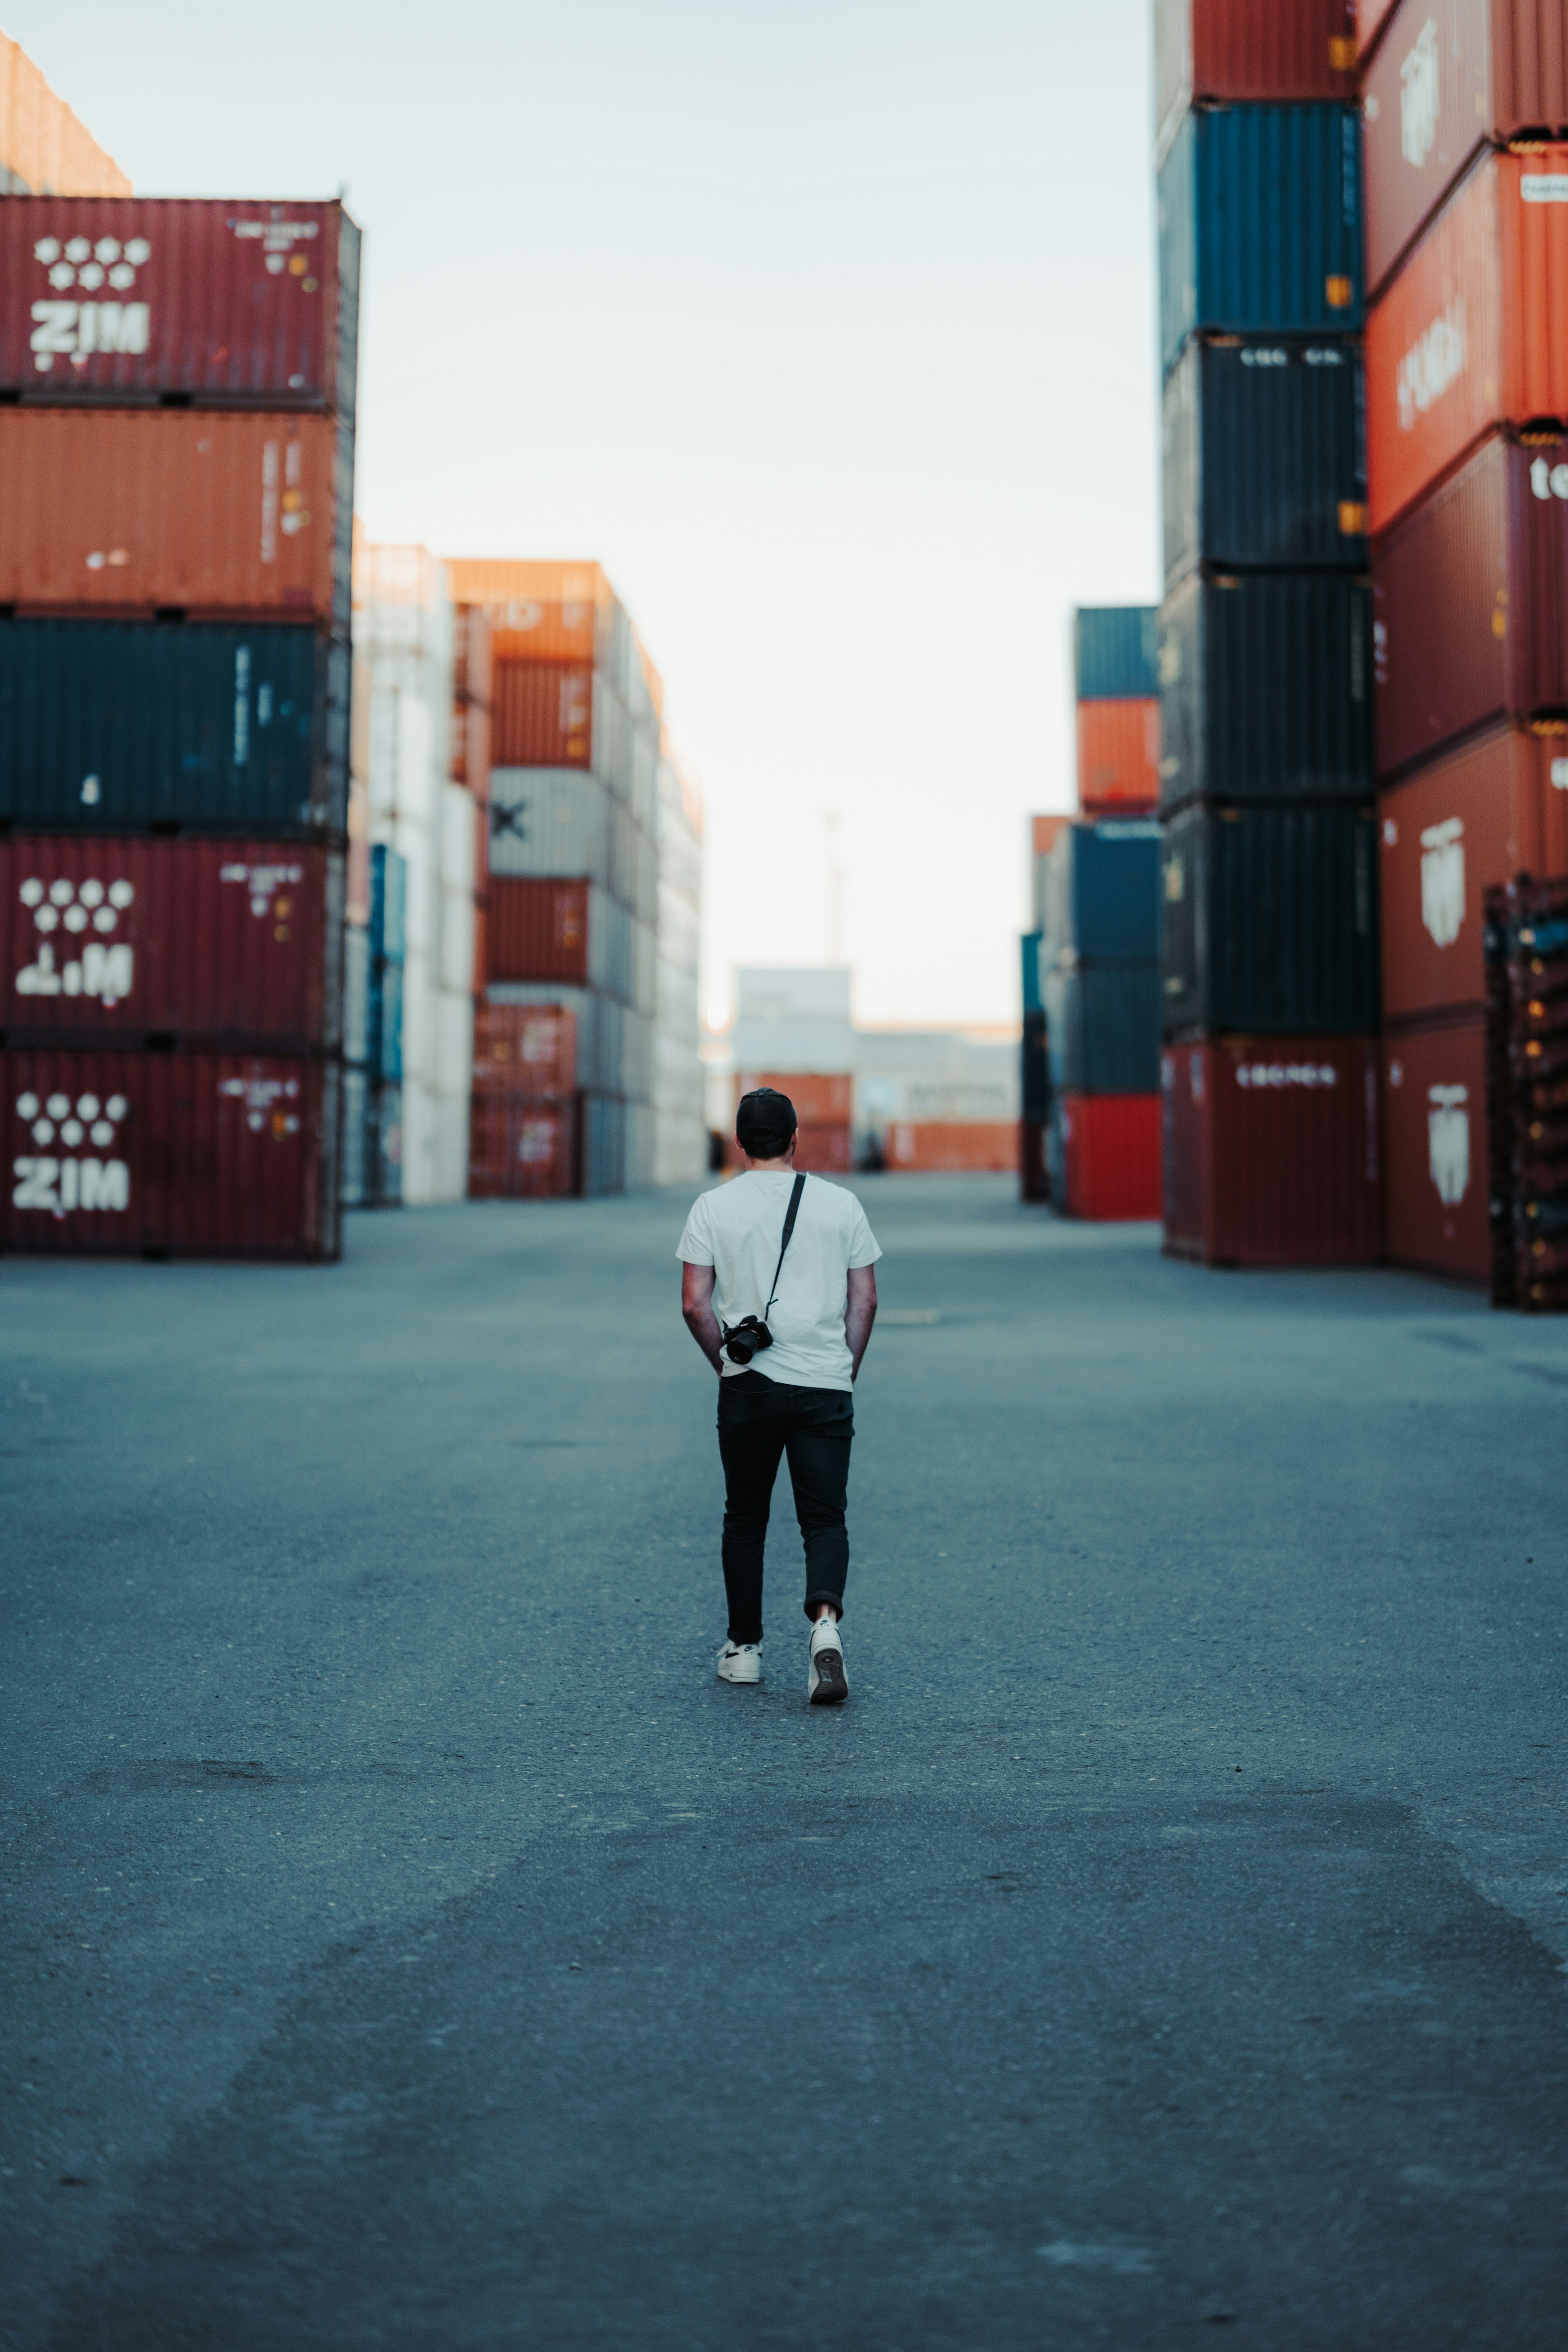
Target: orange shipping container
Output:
[(819, 1100), (539, 612), (1118, 756), (1045, 832), (541, 715), (822, 1148), (1473, 331), (122, 512), (536, 930), (524, 1049), (952, 1147)]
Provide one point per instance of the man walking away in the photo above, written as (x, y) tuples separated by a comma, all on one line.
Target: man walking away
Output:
[(786, 1262)]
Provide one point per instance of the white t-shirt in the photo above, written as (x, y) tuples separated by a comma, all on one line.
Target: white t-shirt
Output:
[(737, 1230)]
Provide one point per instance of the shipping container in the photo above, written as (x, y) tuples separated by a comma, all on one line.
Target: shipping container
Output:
[(1265, 457), (549, 822), (524, 1049), (602, 1150), (1435, 1148), (1471, 604), (384, 1027), (1108, 1148), (615, 1044), (1491, 809), (968, 1147), (388, 900), (1270, 921), (217, 300), (187, 1155), (1034, 1160), (353, 1178), (1103, 1028), (1045, 832), (1234, 50), (1265, 688), (541, 715), (821, 1098), (195, 943), (383, 1146), (356, 998), (1260, 223), (1031, 959), (128, 513), (1115, 658), (1372, 21), (537, 930), (1035, 1068), (1272, 1155), (1118, 756), (110, 724), (44, 147), (540, 612), (1103, 893), (1472, 332), (1450, 78), (522, 1148)]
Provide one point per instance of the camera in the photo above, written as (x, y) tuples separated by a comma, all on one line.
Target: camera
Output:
[(743, 1340)]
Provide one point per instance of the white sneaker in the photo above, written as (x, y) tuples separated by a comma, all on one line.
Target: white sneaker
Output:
[(826, 1684), (740, 1662)]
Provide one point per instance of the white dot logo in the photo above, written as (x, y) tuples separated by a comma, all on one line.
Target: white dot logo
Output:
[(90, 910), (78, 249), (51, 1177)]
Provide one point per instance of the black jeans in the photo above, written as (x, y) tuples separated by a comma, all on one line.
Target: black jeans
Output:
[(760, 1419)]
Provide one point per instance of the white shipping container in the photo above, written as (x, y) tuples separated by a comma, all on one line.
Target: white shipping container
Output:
[(549, 822)]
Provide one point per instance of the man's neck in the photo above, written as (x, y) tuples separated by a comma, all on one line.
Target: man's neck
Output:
[(769, 1167)]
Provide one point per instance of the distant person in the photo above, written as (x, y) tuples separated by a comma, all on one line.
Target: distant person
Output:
[(786, 1261)]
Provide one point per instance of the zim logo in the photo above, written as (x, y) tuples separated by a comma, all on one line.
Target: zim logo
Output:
[(58, 1185), (75, 329), (102, 967)]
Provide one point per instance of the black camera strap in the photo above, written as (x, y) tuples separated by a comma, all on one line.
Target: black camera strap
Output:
[(789, 1228)]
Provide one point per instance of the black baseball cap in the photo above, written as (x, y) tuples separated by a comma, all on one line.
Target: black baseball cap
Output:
[(764, 1123)]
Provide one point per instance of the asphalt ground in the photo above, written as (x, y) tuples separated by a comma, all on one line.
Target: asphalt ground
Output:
[(412, 1944)]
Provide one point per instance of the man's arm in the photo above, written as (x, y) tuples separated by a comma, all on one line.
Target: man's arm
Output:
[(859, 1314), (697, 1306)]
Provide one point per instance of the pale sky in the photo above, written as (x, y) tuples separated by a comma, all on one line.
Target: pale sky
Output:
[(827, 326)]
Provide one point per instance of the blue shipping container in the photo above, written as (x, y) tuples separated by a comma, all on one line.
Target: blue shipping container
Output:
[(1261, 228), (1031, 944), (384, 1027), (388, 887), (1103, 1025), (1116, 654), (1103, 893)]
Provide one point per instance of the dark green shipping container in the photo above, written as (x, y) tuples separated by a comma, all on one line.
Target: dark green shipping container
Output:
[(110, 726)]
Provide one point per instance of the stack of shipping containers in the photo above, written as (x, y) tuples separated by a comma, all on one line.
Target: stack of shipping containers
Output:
[(793, 1031), (1269, 896), (1099, 948), (176, 456), (1035, 1067), (1466, 128), (679, 1123), (570, 895), (44, 149)]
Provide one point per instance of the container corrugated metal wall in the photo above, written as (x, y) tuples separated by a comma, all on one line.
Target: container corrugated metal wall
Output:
[(1118, 756), (1472, 332), (549, 822), (1265, 456), (1260, 223), (1265, 688), (538, 930), (1372, 21), (1470, 603), (1103, 1028), (541, 715), (1493, 808), (1115, 652), (1234, 50), (191, 1155), (522, 1149), (1108, 1148), (1102, 891), (106, 725), (1434, 1141), (1451, 77), (199, 943), (1273, 1151), (1270, 921), (226, 300), (127, 512)]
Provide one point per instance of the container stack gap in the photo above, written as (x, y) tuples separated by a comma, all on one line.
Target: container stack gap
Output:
[(1465, 104), (176, 451), (1267, 897)]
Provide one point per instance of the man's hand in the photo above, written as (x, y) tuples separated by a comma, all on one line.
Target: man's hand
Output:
[(859, 1314), (697, 1306)]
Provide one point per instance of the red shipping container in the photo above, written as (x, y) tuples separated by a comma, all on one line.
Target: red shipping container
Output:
[(1452, 77), (541, 715), (820, 1099), (1283, 50), (524, 1049), (188, 1155), (1492, 809), (119, 513), (522, 1148), (822, 1148), (1111, 1147), (536, 930), (1271, 1152), (1435, 1130), (192, 941), (1472, 332), (952, 1147), (229, 300), (1471, 604), (1118, 757)]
